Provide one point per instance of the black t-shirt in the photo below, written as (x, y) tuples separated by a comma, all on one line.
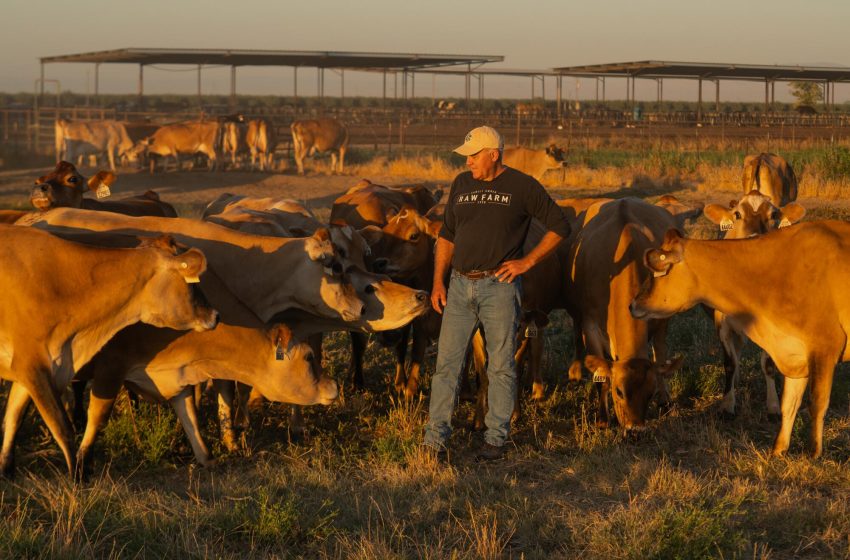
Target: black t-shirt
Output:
[(488, 220)]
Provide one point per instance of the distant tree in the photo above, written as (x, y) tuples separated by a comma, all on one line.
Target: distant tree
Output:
[(806, 93)]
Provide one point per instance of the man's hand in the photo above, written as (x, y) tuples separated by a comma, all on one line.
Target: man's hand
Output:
[(511, 269), (438, 297)]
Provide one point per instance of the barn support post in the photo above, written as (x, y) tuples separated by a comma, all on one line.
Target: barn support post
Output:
[(468, 85), (634, 79), (596, 79), (342, 83), (603, 90), (295, 86), (433, 90), (558, 94), (481, 92), (41, 86), (232, 87), (412, 86), (772, 93), (717, 95), (141, 85), (199, 82), (97, 82), (384, 102), (543, 88), (395, 86), (661, 89), (699, 99), (532, 88), (766, 93)]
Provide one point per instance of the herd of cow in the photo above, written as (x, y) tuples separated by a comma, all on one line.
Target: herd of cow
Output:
[(161, 304)]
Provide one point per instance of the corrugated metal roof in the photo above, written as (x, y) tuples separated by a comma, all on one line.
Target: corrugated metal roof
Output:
[(664, 69)]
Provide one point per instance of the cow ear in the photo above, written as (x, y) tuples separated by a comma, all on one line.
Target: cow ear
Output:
[(668, 368), (164, 242), (791, 214), (104, 178), (719, 215), (190, 265), (372, 235), (434, 228), (659, 261), (319, 247), (600, 368), (280, 335)]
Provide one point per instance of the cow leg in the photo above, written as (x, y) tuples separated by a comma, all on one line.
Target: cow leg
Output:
[(16, 405), (519, 360), (184, 406), (296, 423), (417, 356), (478, 348), (226, 391), (732, 343), (819, 394), (333, 162), (341, 159), (110, 154), (768, 368), (50, 407), (792, 396), (78, 386), (535, 359), (358, 348), (597, 347), (243, 397), (575, 372), (101, 402), (400, 380)]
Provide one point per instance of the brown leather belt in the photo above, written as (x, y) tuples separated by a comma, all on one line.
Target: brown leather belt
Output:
[(478, 274)]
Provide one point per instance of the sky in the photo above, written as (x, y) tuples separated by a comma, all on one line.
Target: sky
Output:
[(534, 34)]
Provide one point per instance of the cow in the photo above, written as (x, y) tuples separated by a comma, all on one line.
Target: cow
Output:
[(534, 162), (757, 283), (320, 135), (269, 275), (183, 138), (771, 175), (753, 215), (164, 365), (64, 187), (605, 272), (233, 140), (99, 292), (74, 139), (261, 138), (368, 204)]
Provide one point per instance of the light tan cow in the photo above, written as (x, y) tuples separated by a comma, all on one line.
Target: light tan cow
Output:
[(183, 138), (269, 275), (261, 138), (771, 175), (753, 215), (75, 139), (534, 162), (368, 204), (85, 295), (233, 140), (320, 135), (786, 290), (628, 356)]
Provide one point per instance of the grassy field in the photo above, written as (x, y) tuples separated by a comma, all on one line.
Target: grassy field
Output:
[(358, 486)]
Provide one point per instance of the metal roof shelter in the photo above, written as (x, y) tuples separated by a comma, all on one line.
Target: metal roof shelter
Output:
[(658, 70), (337, 60)]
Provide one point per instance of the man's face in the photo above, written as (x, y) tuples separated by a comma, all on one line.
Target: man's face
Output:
[(483, 163)]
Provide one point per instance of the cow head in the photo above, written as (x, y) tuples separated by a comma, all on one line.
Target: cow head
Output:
[(171, 297), (405, 245), (669, 290), (326, 270), (753, 215), (294, 374), (64, 187), (681, 212), (633, 384), (556, 156)]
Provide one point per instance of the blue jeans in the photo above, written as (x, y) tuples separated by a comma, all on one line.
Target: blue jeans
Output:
[(496, 307)]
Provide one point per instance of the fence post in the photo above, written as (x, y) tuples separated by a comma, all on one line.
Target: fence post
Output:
[(401, 132), (389, 139)]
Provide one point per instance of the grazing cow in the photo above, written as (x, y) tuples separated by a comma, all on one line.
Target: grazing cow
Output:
[(368, 204), (605, 272), (269, 275), (771, 175), (99, 292), (534, 162), (75, 139), (183, 138), (261, 139), (320, 135), (64, 187), (753, 215), (758, 283), (164, 365)]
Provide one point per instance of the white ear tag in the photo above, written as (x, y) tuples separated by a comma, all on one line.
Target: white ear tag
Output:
[(784, 223), (657, 274), (531, 330), (189, 279), (102, 191), (278, 351), (726, 224), (599, 377)]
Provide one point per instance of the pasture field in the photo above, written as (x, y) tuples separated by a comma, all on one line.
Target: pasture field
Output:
[(357, 484)]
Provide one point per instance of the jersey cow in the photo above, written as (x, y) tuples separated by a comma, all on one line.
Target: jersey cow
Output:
[(99, 292), (534, 162), (771, 175), (75, 139), (320, 135), (756, 284), (186, 138)]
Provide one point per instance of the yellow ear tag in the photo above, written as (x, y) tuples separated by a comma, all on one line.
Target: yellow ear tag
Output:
[(784, 223), (102, 191), (189, 279), (726, 225), (599, 377), (531, 330)]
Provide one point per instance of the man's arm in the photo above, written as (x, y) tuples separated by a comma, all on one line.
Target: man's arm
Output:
[(442, 260), (511, 269)]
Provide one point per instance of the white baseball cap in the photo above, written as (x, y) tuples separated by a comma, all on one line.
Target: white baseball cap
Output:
[(479, 139)]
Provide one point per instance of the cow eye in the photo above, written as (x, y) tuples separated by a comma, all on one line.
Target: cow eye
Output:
[(620, 393), (414, 236), (737, 215), (337, 268), (72, 179)]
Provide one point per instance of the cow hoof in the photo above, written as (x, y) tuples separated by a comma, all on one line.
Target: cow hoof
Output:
[(575, 371), (537, 392), (774, 417), (664, 408), (7, 468), (208, 463)]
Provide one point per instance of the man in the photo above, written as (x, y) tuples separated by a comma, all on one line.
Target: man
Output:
[(487, 217)]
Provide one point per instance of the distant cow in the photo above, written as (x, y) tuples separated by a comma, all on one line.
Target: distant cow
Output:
[(186, 138), (771, 175), (261, 140), (75, 139), (534, 162), (320, 135)]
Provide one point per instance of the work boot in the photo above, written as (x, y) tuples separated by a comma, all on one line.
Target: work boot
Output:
[(490, 452)]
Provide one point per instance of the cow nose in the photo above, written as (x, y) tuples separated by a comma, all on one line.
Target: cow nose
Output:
[(43, 187), (380, 265), (363, 310), (421, 296), (634, 432)]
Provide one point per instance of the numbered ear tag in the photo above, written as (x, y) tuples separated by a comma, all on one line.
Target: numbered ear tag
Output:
[(278, 351), (785, 223), (599, 377), (531, 331), (102, 191), (726, 225)]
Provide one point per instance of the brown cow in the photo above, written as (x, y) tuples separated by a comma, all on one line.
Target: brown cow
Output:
[(183, 138), (368, 204), (320, 135), (534, 162), (605, 272), (261, 139), (759, 284), (64, 187), (99, 292), (753, 215), (74, 139), (771, 175)]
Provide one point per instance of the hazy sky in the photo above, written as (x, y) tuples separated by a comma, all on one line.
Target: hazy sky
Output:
[(529, 33)]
